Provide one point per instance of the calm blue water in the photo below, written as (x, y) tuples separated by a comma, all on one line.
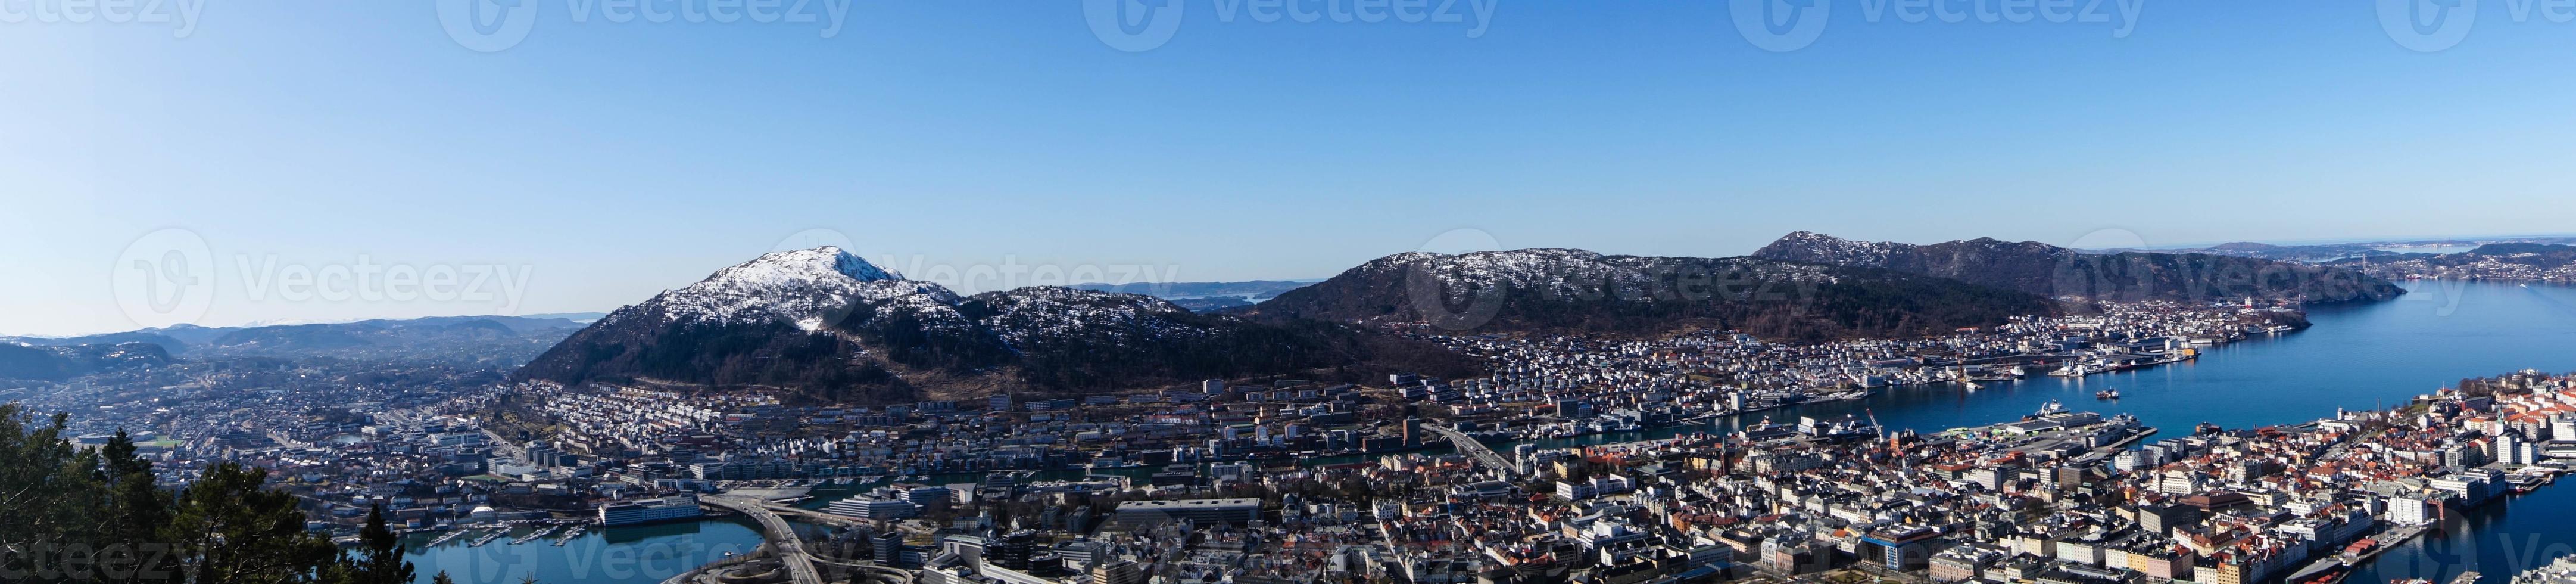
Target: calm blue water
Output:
[(2356, 357), (2497, 540), (642, 554)]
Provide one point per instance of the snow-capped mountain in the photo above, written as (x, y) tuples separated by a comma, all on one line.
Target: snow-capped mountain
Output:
[(807, 287), (823, 323), (1817, 248), (1565, 289), (2049, 270), (1048, 315)]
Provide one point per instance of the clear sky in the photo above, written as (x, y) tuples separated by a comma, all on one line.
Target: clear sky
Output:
[(607, 161)]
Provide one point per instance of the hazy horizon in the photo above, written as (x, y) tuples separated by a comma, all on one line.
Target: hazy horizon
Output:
[(290, 319), (576, 157)]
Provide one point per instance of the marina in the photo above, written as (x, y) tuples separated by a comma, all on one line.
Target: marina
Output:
[(2361, 357), (570, 533), (534, 535)]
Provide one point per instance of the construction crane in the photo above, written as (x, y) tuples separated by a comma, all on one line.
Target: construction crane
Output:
[(1874, 426)]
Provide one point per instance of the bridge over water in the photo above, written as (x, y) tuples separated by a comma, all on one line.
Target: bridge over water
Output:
[(1502, 465)]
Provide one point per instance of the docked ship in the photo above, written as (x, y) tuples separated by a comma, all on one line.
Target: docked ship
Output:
[(649, 510)]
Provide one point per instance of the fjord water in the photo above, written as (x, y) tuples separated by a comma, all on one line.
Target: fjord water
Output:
[(2356, 357), (2497, 540), (644, 553)]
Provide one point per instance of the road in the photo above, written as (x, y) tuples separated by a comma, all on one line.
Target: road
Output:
[(1502, 465), (782, 537), (889, 574)]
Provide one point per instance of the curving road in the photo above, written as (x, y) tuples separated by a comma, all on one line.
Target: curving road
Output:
[(782, 537), (890, 574)]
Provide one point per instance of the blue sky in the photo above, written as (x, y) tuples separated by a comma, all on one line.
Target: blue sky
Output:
[(608, 161)]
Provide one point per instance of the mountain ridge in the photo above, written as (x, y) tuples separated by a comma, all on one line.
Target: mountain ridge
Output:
[(1570, 290), (2059, 272), (854, 333)]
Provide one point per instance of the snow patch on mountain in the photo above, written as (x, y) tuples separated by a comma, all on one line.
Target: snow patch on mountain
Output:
[(1818, 248), (1035, 315), (810, 287), (1574, 273)]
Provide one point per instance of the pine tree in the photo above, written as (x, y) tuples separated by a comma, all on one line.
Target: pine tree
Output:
[(138, 510), (99, 515), (383, 563), (230, 529)]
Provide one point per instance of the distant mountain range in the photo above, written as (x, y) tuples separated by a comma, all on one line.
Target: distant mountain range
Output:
[(577, 317), (823, 325), (301, 339), (1205, 296), (2334, 252), (2266, 251), (827, 325), (2054, 271), (2495, 261), (1167, 290)]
